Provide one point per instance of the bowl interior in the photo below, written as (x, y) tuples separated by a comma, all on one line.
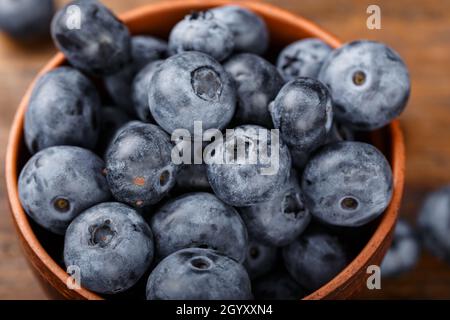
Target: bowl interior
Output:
[(157, 20)]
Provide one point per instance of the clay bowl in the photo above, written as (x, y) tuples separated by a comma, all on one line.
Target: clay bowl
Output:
[(157, 19)]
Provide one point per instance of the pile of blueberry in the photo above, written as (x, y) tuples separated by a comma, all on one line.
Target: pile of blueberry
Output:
[(102, 172), (431, 230)]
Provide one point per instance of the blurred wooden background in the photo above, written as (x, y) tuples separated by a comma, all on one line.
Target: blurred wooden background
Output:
[(418, 30)]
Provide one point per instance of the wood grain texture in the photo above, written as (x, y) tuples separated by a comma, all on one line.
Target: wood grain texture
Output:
[(418, 30)]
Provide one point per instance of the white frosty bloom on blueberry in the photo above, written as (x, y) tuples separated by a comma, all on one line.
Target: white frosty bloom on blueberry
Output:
[(369, 83)]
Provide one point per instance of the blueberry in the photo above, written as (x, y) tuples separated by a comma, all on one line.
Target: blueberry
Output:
[(249, 30), (199, 220), (200, 31), (258, 82), (198, 274), (26, 19), (139, 167), (277, 286), (63, 110), (354, 238), (246, 177), (347, 184), (190, 87), (144, 49), (111, 245), (339, 133), (404, 252), (302, 111), (434, 223), (91, 37), (58, 183), (111, 120), (303, 58), (281, 219), (314, 258), (369, 84), (139, 91), (193, 177), (260, 258)]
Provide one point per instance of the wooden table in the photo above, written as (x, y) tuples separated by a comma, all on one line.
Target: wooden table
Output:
[(419, 30)]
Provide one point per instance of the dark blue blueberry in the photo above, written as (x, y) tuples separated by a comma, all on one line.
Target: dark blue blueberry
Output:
[(139, 168), (198, 274), (249, 30), (26, 19), (303, 58), (91, 37), (339, 133), (111, 245), (258, 83), (369, 84), (111, 120), (190, 87), (404, 252), (139, 91), (434, 223), (63, 110), (281, 219), (277, 286), (193, 177), (303, 113), (201, 32), (144, 49), (354, 238), (347, 184), (247, 169), (199, 220), (260, 258), (58, 183), (314, 258)]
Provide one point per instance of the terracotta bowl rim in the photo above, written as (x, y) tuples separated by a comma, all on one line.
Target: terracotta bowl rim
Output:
[(24, 228)]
